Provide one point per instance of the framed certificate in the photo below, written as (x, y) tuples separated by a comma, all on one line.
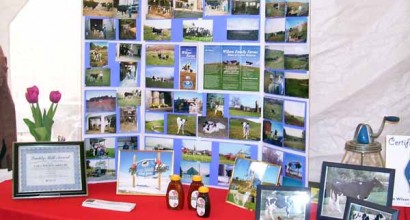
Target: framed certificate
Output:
[(48, 169)]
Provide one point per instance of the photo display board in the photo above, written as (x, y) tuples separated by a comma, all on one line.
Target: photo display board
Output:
[(212, 80)]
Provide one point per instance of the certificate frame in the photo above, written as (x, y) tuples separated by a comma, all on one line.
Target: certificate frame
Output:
[(49, 169)]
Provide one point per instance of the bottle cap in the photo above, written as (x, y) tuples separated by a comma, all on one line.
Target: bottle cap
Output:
[(175, 177), (203, 189), (196, 178)]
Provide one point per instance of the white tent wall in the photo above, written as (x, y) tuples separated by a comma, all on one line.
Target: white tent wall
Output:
[(359, 72)]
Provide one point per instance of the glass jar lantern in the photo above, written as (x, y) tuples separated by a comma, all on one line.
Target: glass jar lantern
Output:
[(363, 149)]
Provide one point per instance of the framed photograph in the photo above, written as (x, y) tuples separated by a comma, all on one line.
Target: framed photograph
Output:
[(48, 169), (144, 172), (246, 176), (339, 181), (357, 209), (275, 202)]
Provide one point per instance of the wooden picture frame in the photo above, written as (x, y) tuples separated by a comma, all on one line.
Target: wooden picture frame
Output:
[(276, 202), (143, 172), (339, 181), (48, 169), (357, 209)]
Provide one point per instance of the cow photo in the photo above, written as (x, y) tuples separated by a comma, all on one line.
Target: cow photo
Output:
[(128, 29), (282, 203), (160, 55), (128, 52), (128, 119), (339, 181), (212, 127), (197, 30), (128, 97), (98, 54), (184, 125), (100, 8), (275, 8), (97, 77), (157, 30), (244, 129), (159, 77), (99, 29)]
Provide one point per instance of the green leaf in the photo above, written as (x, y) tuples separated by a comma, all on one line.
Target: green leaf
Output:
[(31, 126), (42, 134)]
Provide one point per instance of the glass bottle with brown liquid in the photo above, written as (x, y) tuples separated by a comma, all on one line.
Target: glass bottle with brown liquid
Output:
[(193, 191), (203, 203), (175, 193)]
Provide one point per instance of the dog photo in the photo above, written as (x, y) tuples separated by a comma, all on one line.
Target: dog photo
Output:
[(184, 125), (213, 127), (98, 77), (244, 129)]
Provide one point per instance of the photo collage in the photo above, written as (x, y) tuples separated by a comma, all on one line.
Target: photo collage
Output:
[(198, 78)]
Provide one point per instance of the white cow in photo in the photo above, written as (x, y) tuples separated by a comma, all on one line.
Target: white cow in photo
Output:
[(181, 125)]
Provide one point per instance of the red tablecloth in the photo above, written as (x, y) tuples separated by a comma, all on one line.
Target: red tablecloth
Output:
[(147, 208)]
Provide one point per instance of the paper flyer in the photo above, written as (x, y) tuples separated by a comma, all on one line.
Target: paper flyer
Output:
[(398, 157)]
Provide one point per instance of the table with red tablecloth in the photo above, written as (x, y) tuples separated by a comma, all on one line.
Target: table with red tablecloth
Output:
[(147, 207)]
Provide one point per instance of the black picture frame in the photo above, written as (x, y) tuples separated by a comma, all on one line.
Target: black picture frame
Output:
[(49, 169), (356, 208), (282, 202), (339, 181)]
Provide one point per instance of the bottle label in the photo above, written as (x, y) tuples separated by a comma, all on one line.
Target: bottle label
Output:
[(200, 206), (173, 198), (194, 196)]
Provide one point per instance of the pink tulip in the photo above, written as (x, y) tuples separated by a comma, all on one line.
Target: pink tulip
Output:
[(32, 94), (55, 96)]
